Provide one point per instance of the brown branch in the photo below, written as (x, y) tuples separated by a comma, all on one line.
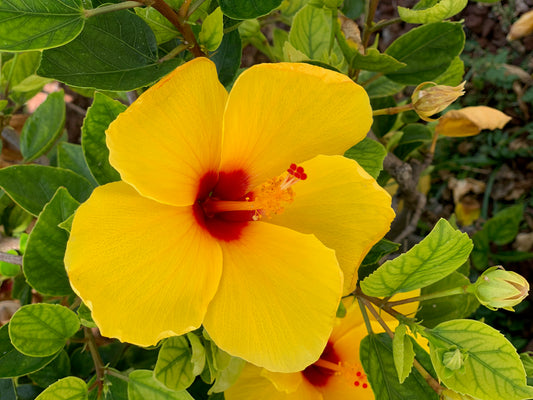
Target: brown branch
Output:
[(11, 258), (97, 360), (181, 25)]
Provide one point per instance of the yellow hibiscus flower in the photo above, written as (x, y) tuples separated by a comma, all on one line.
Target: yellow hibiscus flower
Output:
[(336, 375), (207, 227)]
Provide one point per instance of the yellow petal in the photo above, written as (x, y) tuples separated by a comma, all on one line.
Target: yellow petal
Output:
[(470, 121), (280, 289), (287, 383), (278, 114), (343, 207), (145, 269), (253, 385), (170, 137)]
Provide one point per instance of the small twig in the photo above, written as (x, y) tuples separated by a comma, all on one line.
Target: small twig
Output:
[(116, 374), (112, 8), (97, 360), (11, 258)]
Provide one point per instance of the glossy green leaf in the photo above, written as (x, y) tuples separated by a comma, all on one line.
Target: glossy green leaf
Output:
[(376, 355), (403, 352), (247, 9), (102, 112), (142, 385), (440, 253), (43, 127), (369, 154), (122, 37), (227, 58), (70, 156), (70, 388), (441, 309), (43, 263), (174, 367), (37, 25), (42, 329), (373, 60), (503, 227), (32, 186), (444, 9), (491, 366), (162, 28), (427, 50), (212, 30), (58, 368), (13, 363)]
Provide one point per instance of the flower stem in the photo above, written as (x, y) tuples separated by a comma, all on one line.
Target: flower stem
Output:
[(112, 7), (116, 374), (173, 53), (97, 360), (436, 295), (393, 110), (11, 258)]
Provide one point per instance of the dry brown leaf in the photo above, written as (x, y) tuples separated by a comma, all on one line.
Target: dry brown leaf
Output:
[(461, 187), (467, 211), (470, 121), (522, 27)]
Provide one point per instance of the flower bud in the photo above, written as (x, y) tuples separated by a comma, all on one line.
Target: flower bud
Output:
[(453, 360), (522, 27), (498, 288), (430, 98)]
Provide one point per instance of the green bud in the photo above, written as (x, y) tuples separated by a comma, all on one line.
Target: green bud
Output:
[(498, 288), (453, 360)]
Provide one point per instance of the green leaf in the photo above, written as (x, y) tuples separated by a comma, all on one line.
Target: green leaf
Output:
[(43, 263), (198, 353), (381, 87), (228, 57), (58, 368), (441, 309), (369, 154), (42, 329), (228, 376), (480, 253), (373, 60), (212, 30), (85, 316), (414, 136), (32, 186), (403, 352), (492, 367), (66, 225), (7, 389), (174, 367), (122, 37), (383, 123), (246, 9), (427, 50), (20, 67), (70, 388), (142, 385), (43, 127), (503, 227), (444, 9), (100, 114), (378, 362), (379, 250), (162, 28), (453, 76), (37, 25), (436, 256), (13, 363), (70, 156)]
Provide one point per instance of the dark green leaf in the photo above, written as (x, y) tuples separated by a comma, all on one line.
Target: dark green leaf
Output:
[(7, 390), (43, 260), (227, 58), (381, 87), (32, 186), (13, 363), (37, 25), (142, 385), (503, 227), (43, 127), (248, 9), (102, 112), (414, 136), (383, 123), (58, 368), (353, 8), (70, 156), (42, 329), (427, 50), (379, 250), (369, 154), (115, 51), (373, 60)]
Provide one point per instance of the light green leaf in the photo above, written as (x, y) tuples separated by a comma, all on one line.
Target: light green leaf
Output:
[(427, 50), (66, 225), (453, 76), (403, 352), (310, 32), (70, 156), (142, 385), (32, 186), (492, 368), (174, 367), (102, 112), (42, 329), (246, 9), (43, 127), (373, 60), (8, 269), (436, 256), (198, 353), (212, 30), (13, 363), (162, 28), (444, 9), (37, 25), (369, 154), (32, 83), (122, 37), (376, 355), (228, 376), (43, 263), (70, 388), (21, 66)]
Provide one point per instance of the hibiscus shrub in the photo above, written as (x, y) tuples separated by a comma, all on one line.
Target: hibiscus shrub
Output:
[(242, 233)]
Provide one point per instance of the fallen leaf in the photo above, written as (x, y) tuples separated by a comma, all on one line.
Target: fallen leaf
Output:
[(470, 121), (522, 27)]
